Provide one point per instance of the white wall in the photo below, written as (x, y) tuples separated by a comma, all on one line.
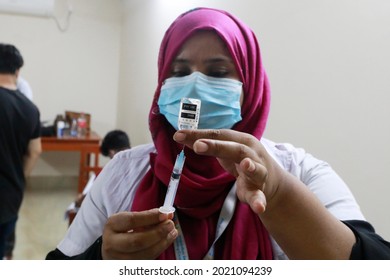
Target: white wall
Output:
[(329, 67), (73, 70)]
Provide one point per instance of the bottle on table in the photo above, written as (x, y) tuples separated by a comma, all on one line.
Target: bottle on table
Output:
[(59, 125), (73, 128), (81, 125), (60, 128)]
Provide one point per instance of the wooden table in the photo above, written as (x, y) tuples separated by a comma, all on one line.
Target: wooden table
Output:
[(87, 146)]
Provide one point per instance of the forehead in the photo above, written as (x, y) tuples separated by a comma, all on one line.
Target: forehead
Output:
[(203, 44)]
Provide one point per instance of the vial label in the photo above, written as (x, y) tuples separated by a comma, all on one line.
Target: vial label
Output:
[(189, 113)]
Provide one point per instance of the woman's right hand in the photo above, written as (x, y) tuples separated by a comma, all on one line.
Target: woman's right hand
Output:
[(137, 235)]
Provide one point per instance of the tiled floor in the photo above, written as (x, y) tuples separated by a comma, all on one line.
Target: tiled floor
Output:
[(41, 223)]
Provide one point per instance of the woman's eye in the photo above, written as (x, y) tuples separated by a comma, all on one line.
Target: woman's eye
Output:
[(218, 74), (180, 73)]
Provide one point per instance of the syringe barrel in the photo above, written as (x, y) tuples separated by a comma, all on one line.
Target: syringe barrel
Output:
[(173, 184), (179, 163), (171, 192)]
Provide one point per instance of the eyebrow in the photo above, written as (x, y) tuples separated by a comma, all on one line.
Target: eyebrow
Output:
[(180, 60), (208, 60), (219, 59)]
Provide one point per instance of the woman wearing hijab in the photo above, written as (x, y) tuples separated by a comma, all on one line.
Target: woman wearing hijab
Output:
[(240, 196)]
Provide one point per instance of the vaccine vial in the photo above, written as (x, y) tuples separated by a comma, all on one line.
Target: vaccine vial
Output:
[(189, 113)]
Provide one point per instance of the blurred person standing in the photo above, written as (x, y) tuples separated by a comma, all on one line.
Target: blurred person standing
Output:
[(20, 143), (24, 87)]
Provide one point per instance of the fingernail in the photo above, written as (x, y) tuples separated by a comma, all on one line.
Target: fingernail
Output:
[(251, 166), (200, 147), (179, 136), (173, 234)]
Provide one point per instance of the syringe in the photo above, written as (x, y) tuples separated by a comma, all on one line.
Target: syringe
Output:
[(173, 184)]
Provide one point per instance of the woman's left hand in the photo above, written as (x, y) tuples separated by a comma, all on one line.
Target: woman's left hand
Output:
[(243, 156)]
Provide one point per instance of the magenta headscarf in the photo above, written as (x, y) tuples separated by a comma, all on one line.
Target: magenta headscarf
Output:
[(204, 184)]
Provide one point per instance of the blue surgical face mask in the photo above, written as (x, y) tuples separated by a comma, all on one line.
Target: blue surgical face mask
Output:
[(220, 99)]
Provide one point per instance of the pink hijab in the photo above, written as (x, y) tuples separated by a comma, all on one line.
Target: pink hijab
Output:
[(204, 184)]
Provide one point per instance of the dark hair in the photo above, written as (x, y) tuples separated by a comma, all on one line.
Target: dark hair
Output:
[(115, 140), (10, 59)]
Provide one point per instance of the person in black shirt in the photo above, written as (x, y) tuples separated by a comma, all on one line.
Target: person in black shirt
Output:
[(20, 143)]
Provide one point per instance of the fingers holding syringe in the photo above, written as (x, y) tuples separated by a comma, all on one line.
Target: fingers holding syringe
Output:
[(227, 145), (137, 235)]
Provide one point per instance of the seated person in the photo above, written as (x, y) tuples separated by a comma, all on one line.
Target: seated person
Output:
[(114, 142)]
